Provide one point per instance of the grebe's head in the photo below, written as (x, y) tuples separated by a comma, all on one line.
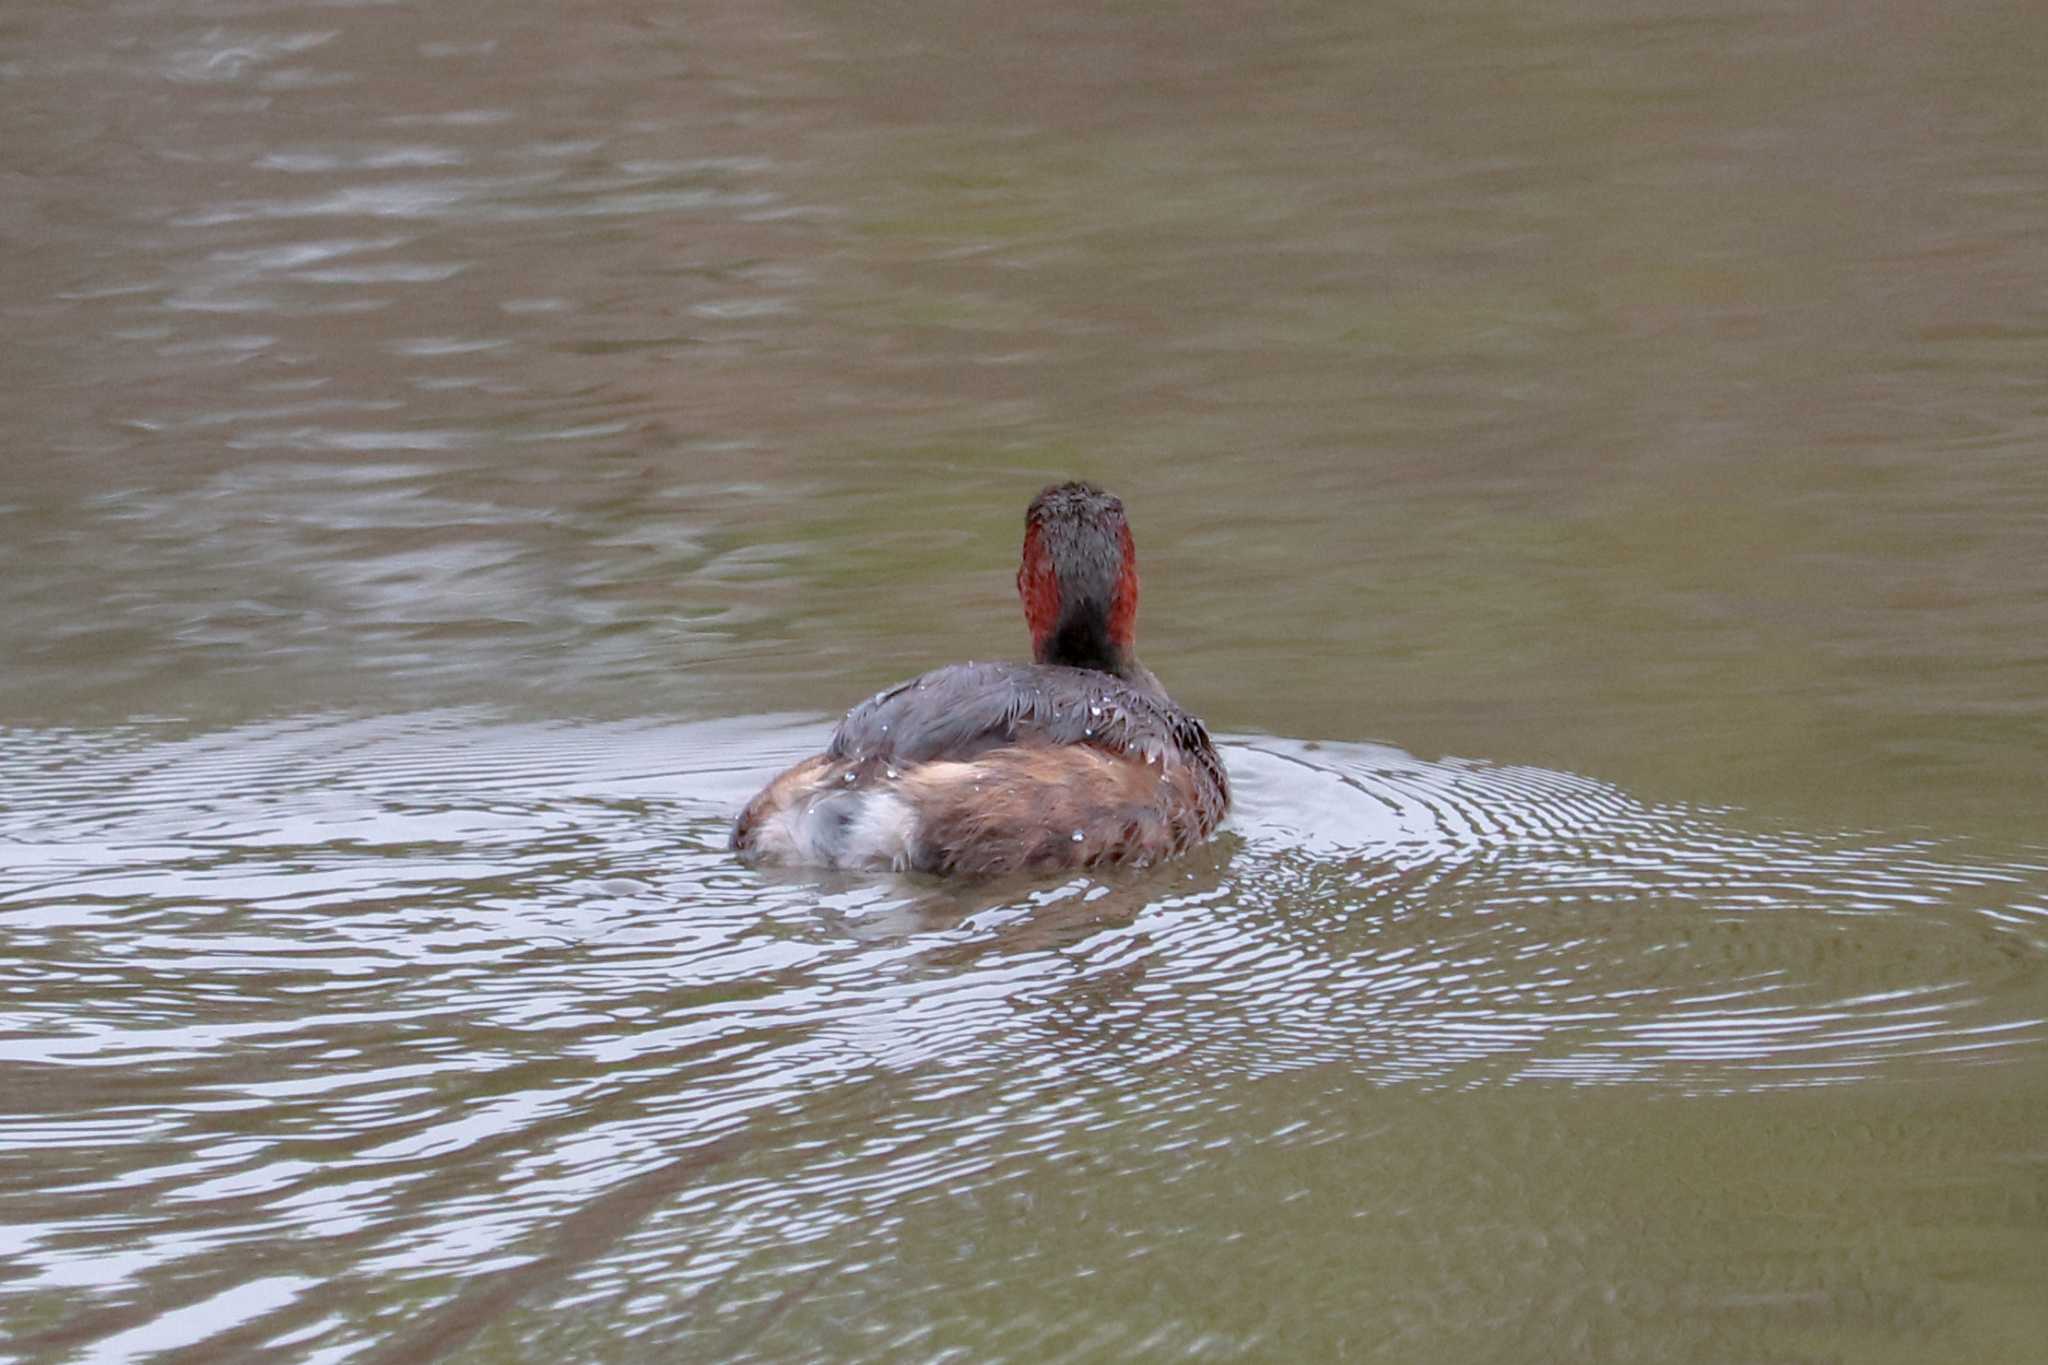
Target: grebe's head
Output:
[(1079, 579)]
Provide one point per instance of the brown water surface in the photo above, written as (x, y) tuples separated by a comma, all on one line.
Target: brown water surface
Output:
[(1588, 461)]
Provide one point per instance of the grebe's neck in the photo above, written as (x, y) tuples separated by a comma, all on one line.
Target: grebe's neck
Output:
[(1078, 580), (1082, 639)]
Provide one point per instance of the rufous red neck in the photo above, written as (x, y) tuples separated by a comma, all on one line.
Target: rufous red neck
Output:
[(1074, 621)]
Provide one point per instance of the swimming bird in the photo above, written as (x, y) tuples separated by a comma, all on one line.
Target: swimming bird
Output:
[(1076, 759)]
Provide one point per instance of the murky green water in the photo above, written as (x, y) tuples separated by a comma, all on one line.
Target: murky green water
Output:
[(1587, 462)]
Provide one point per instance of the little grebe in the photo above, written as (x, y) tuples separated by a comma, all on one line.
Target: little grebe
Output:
[(1076, 759)]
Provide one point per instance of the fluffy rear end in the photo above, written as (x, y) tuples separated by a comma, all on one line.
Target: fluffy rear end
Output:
[(828, 813), (1035, 809)]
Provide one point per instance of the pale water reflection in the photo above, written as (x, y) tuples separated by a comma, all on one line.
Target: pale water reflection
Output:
[(362, 1005)]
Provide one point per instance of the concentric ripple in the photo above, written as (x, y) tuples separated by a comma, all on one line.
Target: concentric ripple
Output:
[(398, 1000)]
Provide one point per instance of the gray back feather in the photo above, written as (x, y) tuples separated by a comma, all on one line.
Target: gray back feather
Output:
[(963, 710)]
